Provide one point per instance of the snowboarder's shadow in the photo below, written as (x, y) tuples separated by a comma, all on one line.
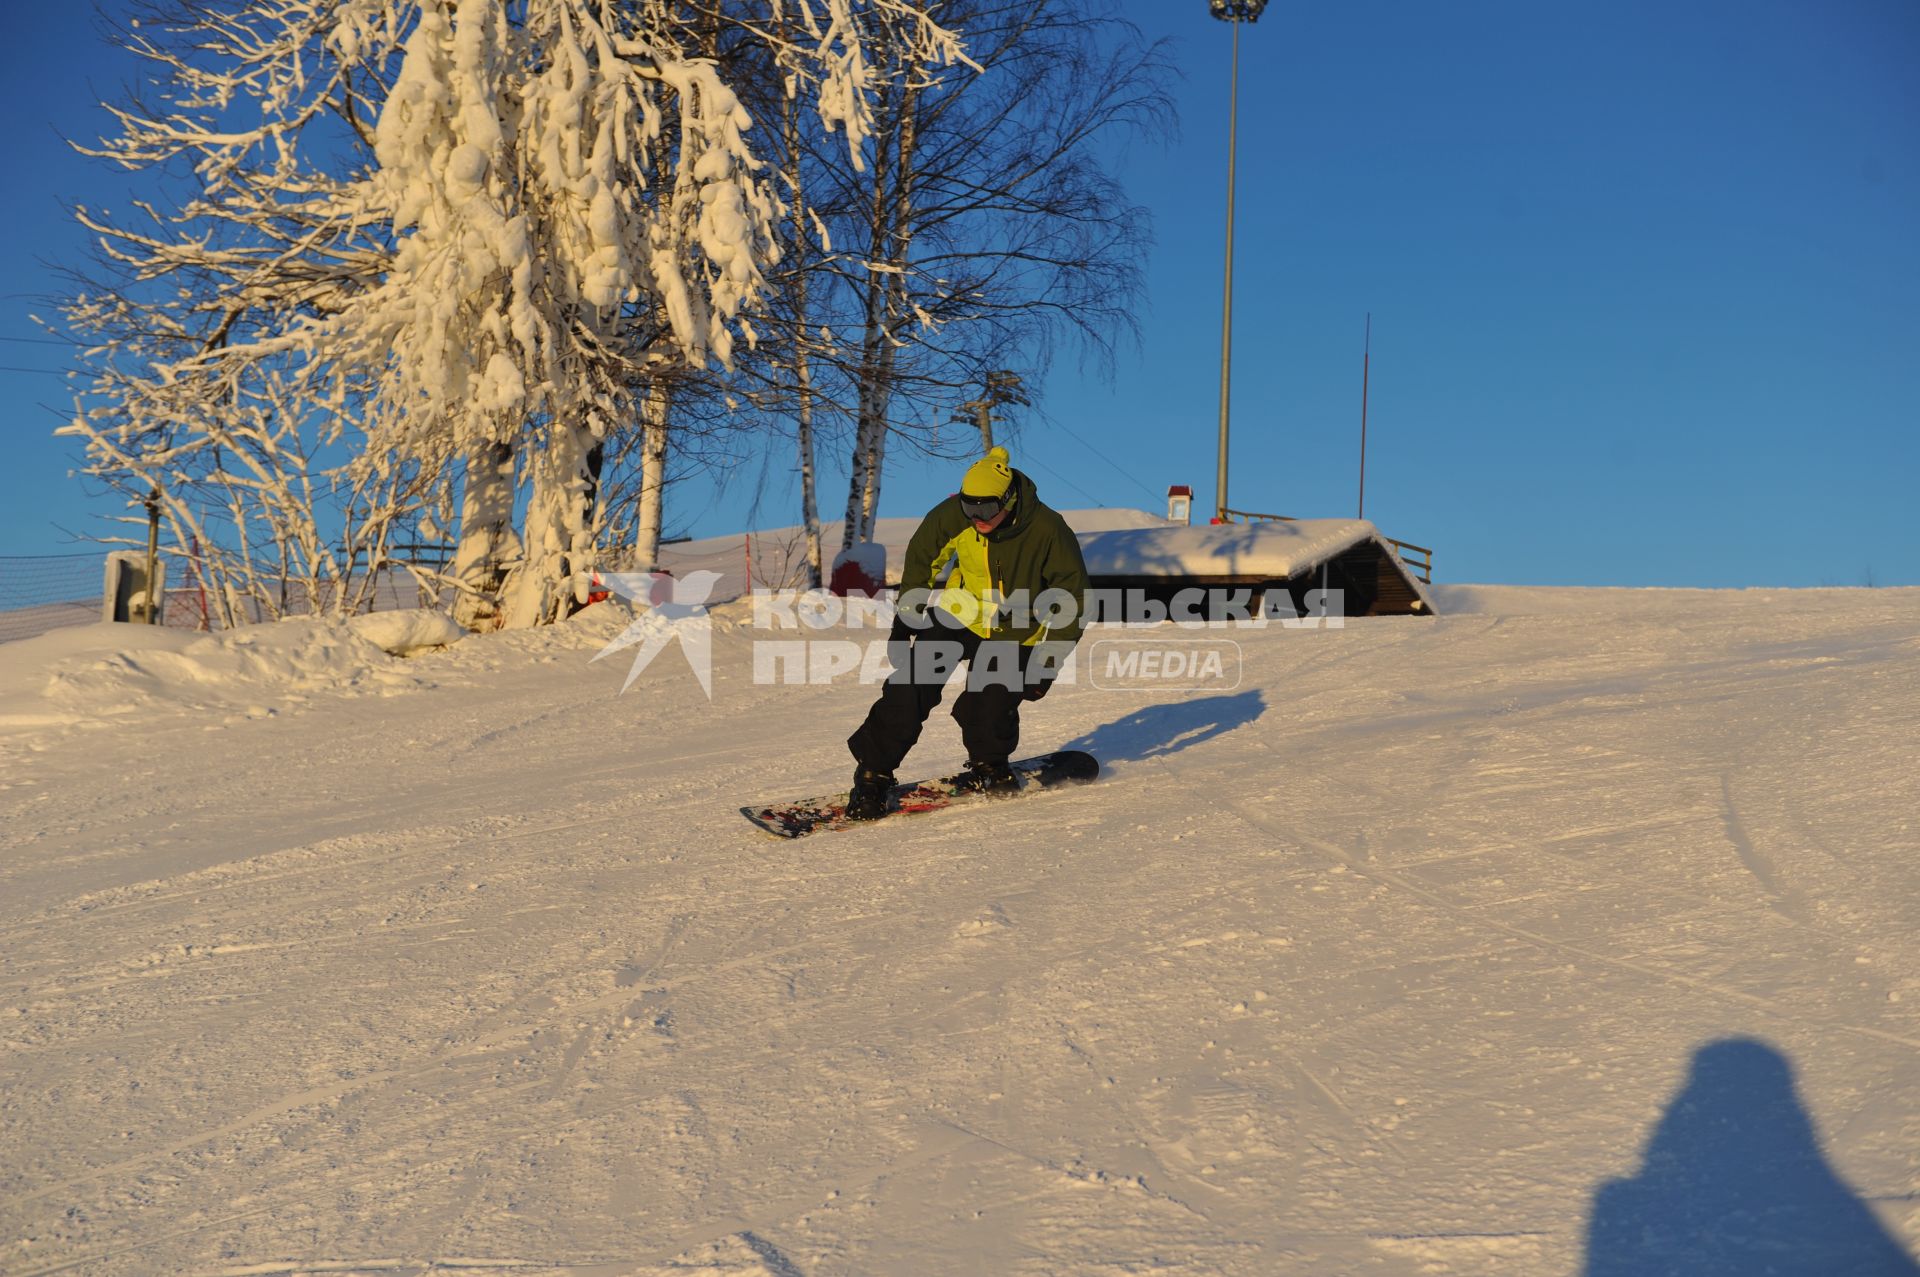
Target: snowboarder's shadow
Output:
[(1733, 1183), (1159, 730)]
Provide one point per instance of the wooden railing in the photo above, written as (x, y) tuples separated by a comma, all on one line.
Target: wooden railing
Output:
[(1423, 564), (1418, 558)]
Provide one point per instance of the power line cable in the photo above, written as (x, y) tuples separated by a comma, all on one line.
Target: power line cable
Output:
[(1028, 460), (1144, 487), (51, 372), (37, 341)]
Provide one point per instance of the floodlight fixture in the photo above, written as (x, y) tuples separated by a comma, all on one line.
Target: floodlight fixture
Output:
[(1237, 10)]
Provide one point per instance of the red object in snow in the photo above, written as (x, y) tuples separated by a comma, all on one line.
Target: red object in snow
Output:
[(851, 578), (659, 589), (861, 569)]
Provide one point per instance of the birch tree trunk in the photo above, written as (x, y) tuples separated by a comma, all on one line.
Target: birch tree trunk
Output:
[(891, 235), (653, 476), (809, 501), (866, 386), (900, 237), (876, 394), (797, 303), (876, 466), (871, 409)]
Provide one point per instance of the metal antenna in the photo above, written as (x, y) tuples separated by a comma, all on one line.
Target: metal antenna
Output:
[(1366, 357)]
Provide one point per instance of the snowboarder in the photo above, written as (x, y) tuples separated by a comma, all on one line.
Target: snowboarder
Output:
[(1012, 608)]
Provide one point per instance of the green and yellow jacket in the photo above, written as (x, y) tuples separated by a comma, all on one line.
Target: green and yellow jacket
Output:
[(1032, 551)]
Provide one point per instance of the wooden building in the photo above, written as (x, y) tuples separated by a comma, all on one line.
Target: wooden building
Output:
[(1378, 576)]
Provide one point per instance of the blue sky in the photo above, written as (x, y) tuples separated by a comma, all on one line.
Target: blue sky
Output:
[(1644, 277)]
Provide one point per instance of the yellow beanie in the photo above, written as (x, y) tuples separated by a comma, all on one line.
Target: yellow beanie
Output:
[(990, 476)]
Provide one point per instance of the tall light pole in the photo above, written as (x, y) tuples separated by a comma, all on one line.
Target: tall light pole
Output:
[(1233, 12)]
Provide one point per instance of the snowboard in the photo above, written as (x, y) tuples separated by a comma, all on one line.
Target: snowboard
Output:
[(816, 815)]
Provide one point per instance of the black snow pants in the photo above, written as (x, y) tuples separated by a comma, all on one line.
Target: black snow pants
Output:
[(988, 711)]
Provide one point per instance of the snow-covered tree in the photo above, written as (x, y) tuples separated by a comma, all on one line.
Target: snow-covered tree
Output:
[(441, 251)]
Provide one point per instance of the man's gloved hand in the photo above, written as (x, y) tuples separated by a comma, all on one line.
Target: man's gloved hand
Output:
[(1047, 662), (910, 618)]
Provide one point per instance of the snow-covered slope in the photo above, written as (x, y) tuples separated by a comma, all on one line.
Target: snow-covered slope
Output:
[(1570, 932)]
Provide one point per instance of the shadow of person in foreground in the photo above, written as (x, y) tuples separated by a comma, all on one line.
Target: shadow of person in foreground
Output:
[(1165, 729), (1733, 1184)]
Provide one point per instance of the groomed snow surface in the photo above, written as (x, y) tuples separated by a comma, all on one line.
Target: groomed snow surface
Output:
[(1570, 932)]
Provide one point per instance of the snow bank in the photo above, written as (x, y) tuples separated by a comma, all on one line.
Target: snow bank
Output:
[(408, 632), (89, 676), (96, 675)]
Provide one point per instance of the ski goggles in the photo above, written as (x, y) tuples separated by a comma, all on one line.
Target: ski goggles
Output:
[(981, 508)]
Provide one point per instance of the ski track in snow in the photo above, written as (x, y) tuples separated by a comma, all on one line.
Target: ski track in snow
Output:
[(1383, 963)]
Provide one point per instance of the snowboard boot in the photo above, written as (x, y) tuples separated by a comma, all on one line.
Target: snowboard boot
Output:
[(990, 777), (868, 798)]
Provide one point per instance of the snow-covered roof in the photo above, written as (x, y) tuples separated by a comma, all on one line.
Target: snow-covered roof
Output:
[(779, 553), (1116, 543), (1272, 550)]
